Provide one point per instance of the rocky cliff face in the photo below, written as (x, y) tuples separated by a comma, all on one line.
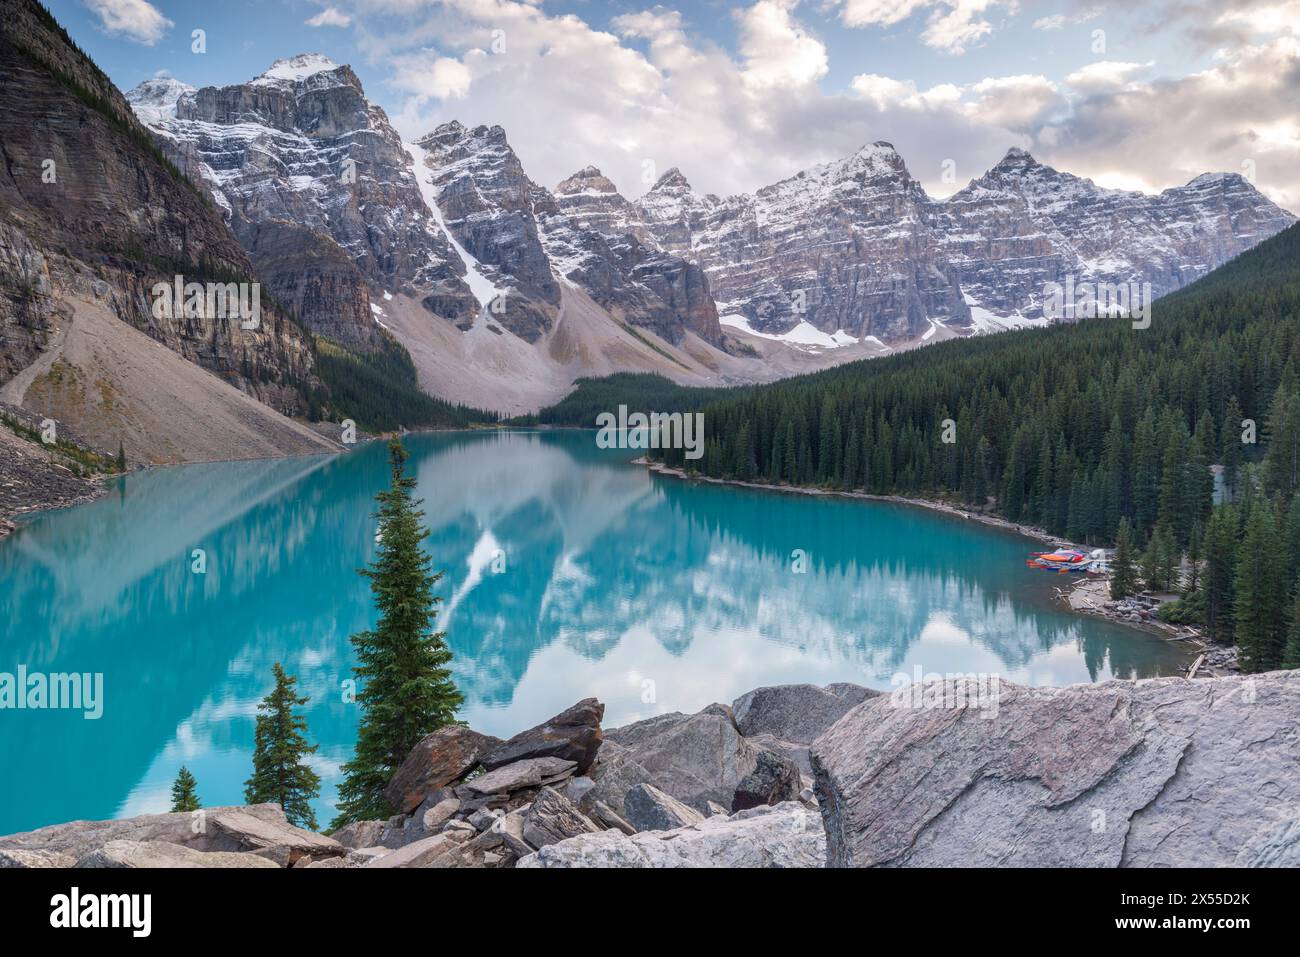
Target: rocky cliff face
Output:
[(844, 246), (317, 186), (90, 210), (1023, 225), (486, 202), (610, 258), (856, 245)]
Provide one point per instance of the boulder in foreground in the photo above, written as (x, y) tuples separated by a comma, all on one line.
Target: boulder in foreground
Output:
[(574, 735), (142, 854), (260, 828), (1163, 772), (786, 835), (440, 758)]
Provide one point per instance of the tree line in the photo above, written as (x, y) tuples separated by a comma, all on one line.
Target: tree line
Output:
[(1079, 429)]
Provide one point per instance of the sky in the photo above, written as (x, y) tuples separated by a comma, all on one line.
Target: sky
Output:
[(1137, 94)]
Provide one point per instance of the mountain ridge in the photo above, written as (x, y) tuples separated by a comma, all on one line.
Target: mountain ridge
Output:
[(846, 259)]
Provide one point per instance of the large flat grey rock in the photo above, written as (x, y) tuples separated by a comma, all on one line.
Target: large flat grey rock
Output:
[(149, 854), (234, 828), (1158, 773), (696, 758), (784, 835)]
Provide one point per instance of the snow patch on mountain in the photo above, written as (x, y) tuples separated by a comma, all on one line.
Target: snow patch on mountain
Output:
[(804, 335), (295, 69), (155, 100), (483, 288)]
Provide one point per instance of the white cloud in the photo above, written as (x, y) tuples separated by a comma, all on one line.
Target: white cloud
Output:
[(1238, 116), (427, 76), (649, 93), (776, 49), (330, 17), (1013, 103), (136, 20), (1059, 21), (952, 25), (1269, 20), (1106, 75)]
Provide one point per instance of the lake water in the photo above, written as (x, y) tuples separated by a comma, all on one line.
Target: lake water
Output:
[(569, 572)]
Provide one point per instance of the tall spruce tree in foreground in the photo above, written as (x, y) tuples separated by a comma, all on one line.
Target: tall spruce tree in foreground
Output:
[(279, 776), (1123, 571), (405, 687), (185, 795)]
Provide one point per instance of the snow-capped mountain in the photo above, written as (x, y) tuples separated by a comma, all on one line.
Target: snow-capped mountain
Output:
[(448, 244), (864, 251), (317, 186), (1024, 224), (844, 246), (634, 279)]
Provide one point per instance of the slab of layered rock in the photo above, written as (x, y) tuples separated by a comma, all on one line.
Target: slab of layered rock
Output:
[(360, 833), (18, 858), (696, 758), (649, 809), (530, 773), (552, 818), (145, 854), (788, 718), (1157, 773), (573, 735), (439, 759), (255, 827), (786, 835)]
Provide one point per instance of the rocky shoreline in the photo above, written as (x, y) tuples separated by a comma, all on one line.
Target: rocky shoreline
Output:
[(30, 481), (1158, 772)]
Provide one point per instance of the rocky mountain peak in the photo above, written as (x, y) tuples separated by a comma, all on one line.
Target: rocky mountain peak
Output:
[(1016, 158), (589, 179), (673, 181), (156, 99), (1226, 180), (875, 159), (295, 69)]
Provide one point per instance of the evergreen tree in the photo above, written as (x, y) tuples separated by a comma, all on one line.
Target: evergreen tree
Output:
[(280, 744), (1220, 573), (121, 457), (406, 690), (1230, 440), (1160, 560), (185, 795), (1123, 573), (1260, 592)]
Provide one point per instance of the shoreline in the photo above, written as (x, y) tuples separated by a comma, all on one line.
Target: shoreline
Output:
[(1079, 596), (9, 520)]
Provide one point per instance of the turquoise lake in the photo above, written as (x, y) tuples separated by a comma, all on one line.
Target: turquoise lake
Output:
[(569, 572)]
